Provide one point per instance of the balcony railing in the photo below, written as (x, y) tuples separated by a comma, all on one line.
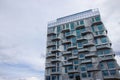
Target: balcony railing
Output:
[(99, 33), (89, 43), (56, 60), (67, 63), (50, 65), (83, 50), (90, 54), (87, 30), (50, 44), (51, 32), (56, 38), (85, 61), (70, 34), (50, 55), (67, 53), (107, 45), (66, 41)]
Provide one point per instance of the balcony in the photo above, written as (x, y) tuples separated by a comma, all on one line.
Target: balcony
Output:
[(65, 30), (73, 71), (51, 32), (100, 34), (67, 63), (56, 60), (87, 30), (67, 53), (56, 73), (107, 58), (55, 38), (91, 54), (112, 77), (50, 65), (72, 57), (51, 44), (66, 41), (102, 46), (85, 61), (96, 22), (50, 55), (93, 69), (80, 39), (79, 26), (55, 50), (89, 43), (70, 34), (72, 47), (83, 50)]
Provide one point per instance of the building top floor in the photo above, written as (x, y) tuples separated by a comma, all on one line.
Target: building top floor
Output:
[(74, 17)]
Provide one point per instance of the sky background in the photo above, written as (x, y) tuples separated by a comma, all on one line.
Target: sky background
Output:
[(23, 30)]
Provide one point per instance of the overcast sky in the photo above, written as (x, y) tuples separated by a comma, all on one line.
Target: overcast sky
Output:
[(23, 26)]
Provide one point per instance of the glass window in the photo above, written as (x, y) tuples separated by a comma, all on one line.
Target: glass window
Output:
[(70, 67), (72, 25), (53, 69), (89, 65), (75, 51), (111, 64), (82, 29), (47, 77), (71, 76), (78, 33), (84, 75), (57, 77), (97, 18), (65, 47), (63, 26), (100, 27), (75, 61), (83, 68), (67, 33), (107, 51), (58, 29), (105, 73), (96, 41), (53, 77), (80, 44), (82, 55), (104, 39), (67, 26), (76, 67), (112, 72), (81, 22), (100, 52), (101, 65), (89, 74), (93, 28), (65, 69), (77, 22)]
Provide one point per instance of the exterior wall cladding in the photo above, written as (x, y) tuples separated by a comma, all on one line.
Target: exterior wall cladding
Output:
[(78, 49)]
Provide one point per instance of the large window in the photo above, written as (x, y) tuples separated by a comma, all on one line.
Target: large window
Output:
[(47, 77), (101, 65), (105, 72), (111, 64), (100, 27), (112, 72), (53, 69), (70, 67), (84, 75), (75, 51), (53, 77), (75, 61), (89, 65), (71, 76), (67, 26), (58, 29), (73, 41), (72, 25), (78, 33), (83, 68), (104, 39), (80, 45), (82, 55)]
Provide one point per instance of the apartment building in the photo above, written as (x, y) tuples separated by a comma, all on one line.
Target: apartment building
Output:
[(78, 48)]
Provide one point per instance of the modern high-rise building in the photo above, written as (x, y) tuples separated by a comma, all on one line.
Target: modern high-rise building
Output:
[(78, 49)]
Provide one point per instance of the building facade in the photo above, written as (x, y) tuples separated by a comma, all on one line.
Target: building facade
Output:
[(78, 49)]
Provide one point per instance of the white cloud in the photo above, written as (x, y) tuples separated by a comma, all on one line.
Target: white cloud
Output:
[(23, 26)]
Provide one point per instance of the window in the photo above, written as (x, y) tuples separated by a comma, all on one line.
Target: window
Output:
[(82, 55), (71, 76), (100, 27), (65, 69), (75, 51), (97, 18), (72, 25), (83, 68), (89, 65), (107, 51), (84, 75), (73, 41), (58, 29), (53, 69), (101, 65), (112, 72), (82, 29), (78, 33), (96, 41), (104, 39), (70, 67), (65, 47), (67, 26), (99, 52), (76, 67), (57, 77), (93, 28), (105, 73), (67, 33), (47, 77), (80, 44), (89, 74), (75, 61), (53, 77), (81, 22), (111, 64), (65, 58)]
